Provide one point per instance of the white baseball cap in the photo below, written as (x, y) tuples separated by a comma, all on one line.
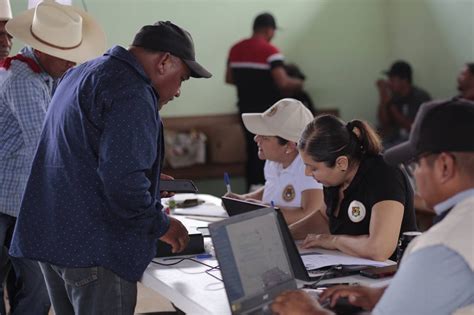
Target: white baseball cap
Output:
[(287, 119)]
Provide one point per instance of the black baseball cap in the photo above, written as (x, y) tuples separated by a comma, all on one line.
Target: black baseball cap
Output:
[(400, 69), (264, 20), (169, 37), (440, 126)]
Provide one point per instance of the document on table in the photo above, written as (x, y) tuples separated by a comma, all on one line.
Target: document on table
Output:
[(313, 261)]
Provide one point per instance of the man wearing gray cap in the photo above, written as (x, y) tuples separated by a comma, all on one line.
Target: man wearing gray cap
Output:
[(91, 213), (436, 274)]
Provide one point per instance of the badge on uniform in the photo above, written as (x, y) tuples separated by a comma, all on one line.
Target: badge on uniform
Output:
[(288, 193), (356, 211)]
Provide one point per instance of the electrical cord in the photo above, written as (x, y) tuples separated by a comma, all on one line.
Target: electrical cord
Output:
[(180, 260), (325, 274)]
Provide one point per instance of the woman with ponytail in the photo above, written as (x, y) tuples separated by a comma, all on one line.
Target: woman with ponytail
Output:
[(367, 203)]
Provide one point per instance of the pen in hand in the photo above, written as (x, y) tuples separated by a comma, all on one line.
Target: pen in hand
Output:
[(227, 182)]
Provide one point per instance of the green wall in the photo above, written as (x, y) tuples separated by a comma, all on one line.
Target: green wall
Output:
[(341, 45), (436, 36)]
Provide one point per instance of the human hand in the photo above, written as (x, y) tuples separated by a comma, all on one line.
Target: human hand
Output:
[(383, 87), (382, 84), (361, 296), (166, 194), (177, 236), (297, 302), (320, 240)]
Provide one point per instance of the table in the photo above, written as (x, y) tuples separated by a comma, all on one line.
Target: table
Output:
[(194, 291)]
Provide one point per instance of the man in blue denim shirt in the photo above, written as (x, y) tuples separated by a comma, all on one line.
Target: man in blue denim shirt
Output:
[(25, 93), (91, 213)]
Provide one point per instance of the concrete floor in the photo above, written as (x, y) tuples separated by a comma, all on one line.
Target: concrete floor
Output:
[(148, 301)]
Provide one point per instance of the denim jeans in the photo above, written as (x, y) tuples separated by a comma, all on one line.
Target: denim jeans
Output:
[(25, 283), (89, 291)]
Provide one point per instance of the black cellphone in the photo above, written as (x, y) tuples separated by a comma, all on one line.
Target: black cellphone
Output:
[(379, 272), (178, 186)]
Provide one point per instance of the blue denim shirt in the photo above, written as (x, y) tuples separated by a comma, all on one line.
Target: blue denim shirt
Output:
[(92, 198)]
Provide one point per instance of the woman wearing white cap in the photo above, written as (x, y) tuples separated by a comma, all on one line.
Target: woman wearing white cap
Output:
[(277, 132)]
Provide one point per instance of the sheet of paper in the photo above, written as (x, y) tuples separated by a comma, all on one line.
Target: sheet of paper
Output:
[(314, 261)]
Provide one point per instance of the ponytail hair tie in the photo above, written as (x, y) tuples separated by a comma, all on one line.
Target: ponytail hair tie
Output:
[(350, 126)]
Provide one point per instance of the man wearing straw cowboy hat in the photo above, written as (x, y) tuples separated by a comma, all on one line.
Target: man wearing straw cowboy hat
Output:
[(91, 212), (58, 37), (5, 47)]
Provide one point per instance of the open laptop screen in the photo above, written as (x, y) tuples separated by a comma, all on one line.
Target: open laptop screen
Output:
[(252, 258)]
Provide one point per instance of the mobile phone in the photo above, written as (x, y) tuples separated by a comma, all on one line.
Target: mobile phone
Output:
[(204, 231), (178, 186), (379, 272)]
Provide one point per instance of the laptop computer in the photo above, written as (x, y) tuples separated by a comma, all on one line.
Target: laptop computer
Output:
[(236, 206), (253, 260), (299, 269)]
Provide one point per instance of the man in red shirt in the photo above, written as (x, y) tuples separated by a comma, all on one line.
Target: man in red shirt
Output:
[(256, 68)]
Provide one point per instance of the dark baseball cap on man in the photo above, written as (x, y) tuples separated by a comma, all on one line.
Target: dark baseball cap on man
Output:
[(400, 69), (169, 37), (440, 126), (264, 20)]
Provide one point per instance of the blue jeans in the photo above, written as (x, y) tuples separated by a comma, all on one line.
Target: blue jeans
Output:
[(25, 283), (89, 291)]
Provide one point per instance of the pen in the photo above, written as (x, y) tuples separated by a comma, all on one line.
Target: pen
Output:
[(272, 204), (227, 182)]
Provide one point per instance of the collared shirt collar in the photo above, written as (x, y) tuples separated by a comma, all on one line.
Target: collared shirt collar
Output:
[(364, 166), (127, 57), (451, 202), (27, 51)]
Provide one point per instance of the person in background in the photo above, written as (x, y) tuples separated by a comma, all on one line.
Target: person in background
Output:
[(367, 203), (399, 101), (466, 82), (436, 273), (57, 41), (256, 68), (294, 71), (91, 213), (277, 131)]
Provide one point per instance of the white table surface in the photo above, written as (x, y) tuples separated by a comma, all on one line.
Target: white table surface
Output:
[(192, 290)]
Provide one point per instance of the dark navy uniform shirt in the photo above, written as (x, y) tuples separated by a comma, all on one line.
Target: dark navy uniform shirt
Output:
[(375, 181), (92, 198)]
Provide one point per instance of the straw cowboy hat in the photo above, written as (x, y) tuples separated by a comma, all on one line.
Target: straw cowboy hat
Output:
[(59, 30), (5, 10)]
